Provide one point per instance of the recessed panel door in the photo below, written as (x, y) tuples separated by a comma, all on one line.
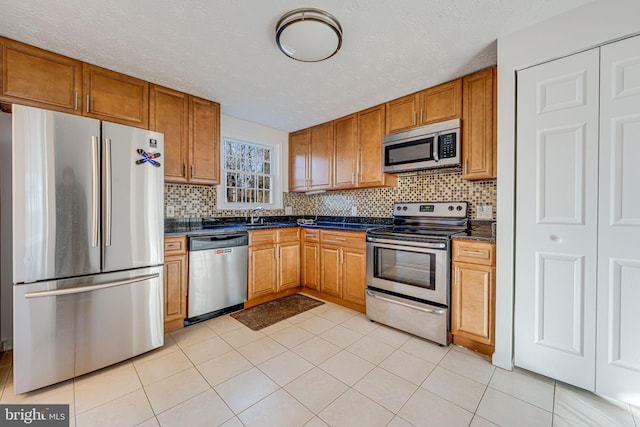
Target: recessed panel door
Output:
[(618, 355), (556, 218)]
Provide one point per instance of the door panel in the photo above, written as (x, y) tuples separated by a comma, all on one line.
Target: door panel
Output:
[(320, 156), (133, 198), (354, 275), (330, 270), (346, 139), (560, 175), (66, 328), (558, 302), (556, 218), (55, 195), (618, 357)]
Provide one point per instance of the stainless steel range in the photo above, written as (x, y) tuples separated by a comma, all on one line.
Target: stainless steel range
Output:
[(409, 268)]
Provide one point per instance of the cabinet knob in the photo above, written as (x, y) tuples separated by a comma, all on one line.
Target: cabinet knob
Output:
[(555, 239)]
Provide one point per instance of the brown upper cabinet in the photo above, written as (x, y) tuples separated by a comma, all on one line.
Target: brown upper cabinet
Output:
[(369, 151), (191, 128), (36, 77), (343, 154), (436, 104), (204, 141), (310, 158), (115, 97), (299, 159), (345, 161), (479, 125), (169, 114)]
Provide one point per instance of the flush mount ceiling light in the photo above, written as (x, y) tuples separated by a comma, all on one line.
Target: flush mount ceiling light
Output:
[(308, 35)]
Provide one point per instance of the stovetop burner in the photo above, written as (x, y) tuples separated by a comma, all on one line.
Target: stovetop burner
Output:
[(425, 220)]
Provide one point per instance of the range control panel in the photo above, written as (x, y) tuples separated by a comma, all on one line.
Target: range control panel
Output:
[(431, 209)]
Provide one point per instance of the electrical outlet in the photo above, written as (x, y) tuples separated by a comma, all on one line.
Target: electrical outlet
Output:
[(288, 210), (354, 211), (170, 212), (484, 212)]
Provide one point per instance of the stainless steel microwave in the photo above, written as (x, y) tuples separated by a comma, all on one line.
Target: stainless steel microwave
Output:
[(431, 146)]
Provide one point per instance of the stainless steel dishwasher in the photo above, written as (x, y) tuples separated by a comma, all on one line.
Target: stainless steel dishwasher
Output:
[(217, 274)]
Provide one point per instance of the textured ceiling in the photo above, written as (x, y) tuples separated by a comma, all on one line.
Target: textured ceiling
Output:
[(224, 49)]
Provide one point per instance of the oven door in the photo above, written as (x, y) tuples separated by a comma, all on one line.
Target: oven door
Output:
[(415, 269)]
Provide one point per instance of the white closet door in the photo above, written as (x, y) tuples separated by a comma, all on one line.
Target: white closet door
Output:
[(618, 355), (556, 218)]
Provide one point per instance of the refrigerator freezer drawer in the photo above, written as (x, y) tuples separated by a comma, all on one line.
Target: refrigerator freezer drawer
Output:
[(424, 320), (66, 328)]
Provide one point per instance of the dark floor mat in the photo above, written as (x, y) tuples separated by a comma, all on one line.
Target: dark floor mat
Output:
[(271, 312)]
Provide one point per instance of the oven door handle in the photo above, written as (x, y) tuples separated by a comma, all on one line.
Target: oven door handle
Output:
[(438, 311), (400, 244)]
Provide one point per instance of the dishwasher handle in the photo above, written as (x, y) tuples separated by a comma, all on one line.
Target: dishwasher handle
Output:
[(218, 241)]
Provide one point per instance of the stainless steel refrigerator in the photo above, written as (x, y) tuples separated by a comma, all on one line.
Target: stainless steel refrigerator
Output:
[(87, 244)]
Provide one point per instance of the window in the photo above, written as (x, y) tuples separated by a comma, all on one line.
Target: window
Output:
[(248, 174)]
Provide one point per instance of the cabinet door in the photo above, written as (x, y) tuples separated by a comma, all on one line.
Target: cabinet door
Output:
[(288, 265), (115, 97), (299, 160), (478, 133), (330, 270), (35, 77), (169, 114), (402, 113), (345, 144), (175, 290), (354, 281), (310, 265), (262, 271), (204, 139), (320, 156), (370, 134), (473, 302), (442, 102)]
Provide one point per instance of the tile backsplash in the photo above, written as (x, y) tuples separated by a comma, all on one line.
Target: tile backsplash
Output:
[(194, 201)]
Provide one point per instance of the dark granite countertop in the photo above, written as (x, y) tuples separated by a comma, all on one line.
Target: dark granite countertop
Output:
[(479, 231), (207, 226)]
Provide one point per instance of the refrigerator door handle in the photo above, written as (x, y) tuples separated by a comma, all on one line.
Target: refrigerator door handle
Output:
[(95, 190), (89, 288), (107, 190)]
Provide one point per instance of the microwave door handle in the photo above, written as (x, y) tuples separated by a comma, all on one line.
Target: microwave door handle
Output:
[(436, 147)]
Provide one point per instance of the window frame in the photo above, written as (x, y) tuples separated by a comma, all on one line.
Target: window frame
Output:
[(276, 201)]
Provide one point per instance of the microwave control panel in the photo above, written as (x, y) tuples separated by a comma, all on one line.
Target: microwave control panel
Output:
[(447, 145)]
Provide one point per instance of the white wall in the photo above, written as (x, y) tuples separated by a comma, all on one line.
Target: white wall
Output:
[(580, 29), (6, 273), (253, 132)]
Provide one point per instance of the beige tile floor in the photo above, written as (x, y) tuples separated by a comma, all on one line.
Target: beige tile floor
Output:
[(327, 366)]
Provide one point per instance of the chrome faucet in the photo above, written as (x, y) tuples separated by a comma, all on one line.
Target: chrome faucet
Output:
[(257, 217)]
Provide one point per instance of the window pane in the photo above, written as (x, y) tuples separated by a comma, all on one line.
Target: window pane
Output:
[(248, 173)]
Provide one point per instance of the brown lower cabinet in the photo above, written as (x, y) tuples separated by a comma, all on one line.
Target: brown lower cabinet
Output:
[(334, 266), (473, 295), (175, 282), (274, 264)]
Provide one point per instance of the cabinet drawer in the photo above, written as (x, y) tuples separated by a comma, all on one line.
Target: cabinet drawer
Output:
[(257, 237), (343, 238), (288, 234), (474, 252), (176, 245), (310, 235)]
